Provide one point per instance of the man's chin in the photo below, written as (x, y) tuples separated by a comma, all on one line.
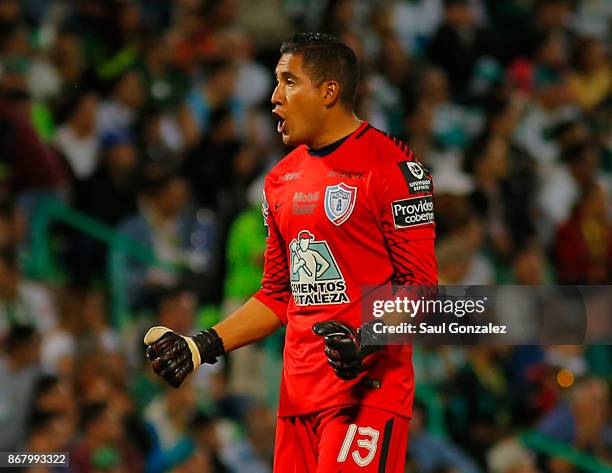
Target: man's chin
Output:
[(286, 139), (291, 140)]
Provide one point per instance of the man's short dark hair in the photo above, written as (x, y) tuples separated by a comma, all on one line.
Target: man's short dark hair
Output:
[(165, 294), (218, 65), (40, 421), (69, 105), (576, 152), (8, 257), (90, 413), (200, 420), (156, 176), (18, 336), (325, 57), (476, 151), (44, 385)]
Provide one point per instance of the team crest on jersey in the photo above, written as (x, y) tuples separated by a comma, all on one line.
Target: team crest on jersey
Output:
[(340, 202), (316, 278)]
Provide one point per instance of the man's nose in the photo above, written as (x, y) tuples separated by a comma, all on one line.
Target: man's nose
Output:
[(276, 96)]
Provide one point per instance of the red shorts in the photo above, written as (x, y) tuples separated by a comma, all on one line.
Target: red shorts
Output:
[(342, 440)]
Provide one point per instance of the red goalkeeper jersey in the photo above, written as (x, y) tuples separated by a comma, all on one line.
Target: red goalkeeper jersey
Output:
[(356, 213)]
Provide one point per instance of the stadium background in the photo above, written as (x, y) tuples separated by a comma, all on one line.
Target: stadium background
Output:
[(133, 139)]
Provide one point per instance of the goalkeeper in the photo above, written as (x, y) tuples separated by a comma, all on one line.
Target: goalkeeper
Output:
[(349, 206)]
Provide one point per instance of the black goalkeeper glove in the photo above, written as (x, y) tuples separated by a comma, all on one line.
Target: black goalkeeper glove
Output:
[(343, 348), (174, 356)]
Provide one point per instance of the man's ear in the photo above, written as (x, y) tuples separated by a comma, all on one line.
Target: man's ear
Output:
[(331, 92)]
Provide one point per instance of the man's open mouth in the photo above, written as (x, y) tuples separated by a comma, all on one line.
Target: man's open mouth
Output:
[(280, 122)]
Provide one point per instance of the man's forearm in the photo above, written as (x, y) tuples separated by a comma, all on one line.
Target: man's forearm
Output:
[(251, 322), (174, 356)]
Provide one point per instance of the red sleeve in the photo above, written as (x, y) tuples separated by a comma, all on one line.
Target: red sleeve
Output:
[(275, 285), (405, 200)]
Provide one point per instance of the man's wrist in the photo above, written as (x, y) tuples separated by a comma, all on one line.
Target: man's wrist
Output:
[(370, 340), (210, 345)]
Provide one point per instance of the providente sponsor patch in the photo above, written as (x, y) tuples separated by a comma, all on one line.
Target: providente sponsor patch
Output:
[(412, 212)]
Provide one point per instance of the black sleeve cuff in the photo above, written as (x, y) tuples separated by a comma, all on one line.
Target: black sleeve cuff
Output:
[(209, 345)]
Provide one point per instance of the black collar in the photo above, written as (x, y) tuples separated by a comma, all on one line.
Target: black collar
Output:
[(328, 149)]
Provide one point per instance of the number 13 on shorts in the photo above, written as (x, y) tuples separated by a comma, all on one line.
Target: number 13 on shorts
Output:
[(351, 439), (370, 443), (363, 440)]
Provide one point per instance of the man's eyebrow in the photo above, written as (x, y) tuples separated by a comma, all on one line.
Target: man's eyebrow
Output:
[(285, 74)]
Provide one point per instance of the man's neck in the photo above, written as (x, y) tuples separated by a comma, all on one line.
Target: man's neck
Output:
[(343, 125), (79, 131), (159, 218)]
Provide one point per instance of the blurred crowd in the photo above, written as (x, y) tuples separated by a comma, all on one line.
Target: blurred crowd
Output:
[(153, 117)]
